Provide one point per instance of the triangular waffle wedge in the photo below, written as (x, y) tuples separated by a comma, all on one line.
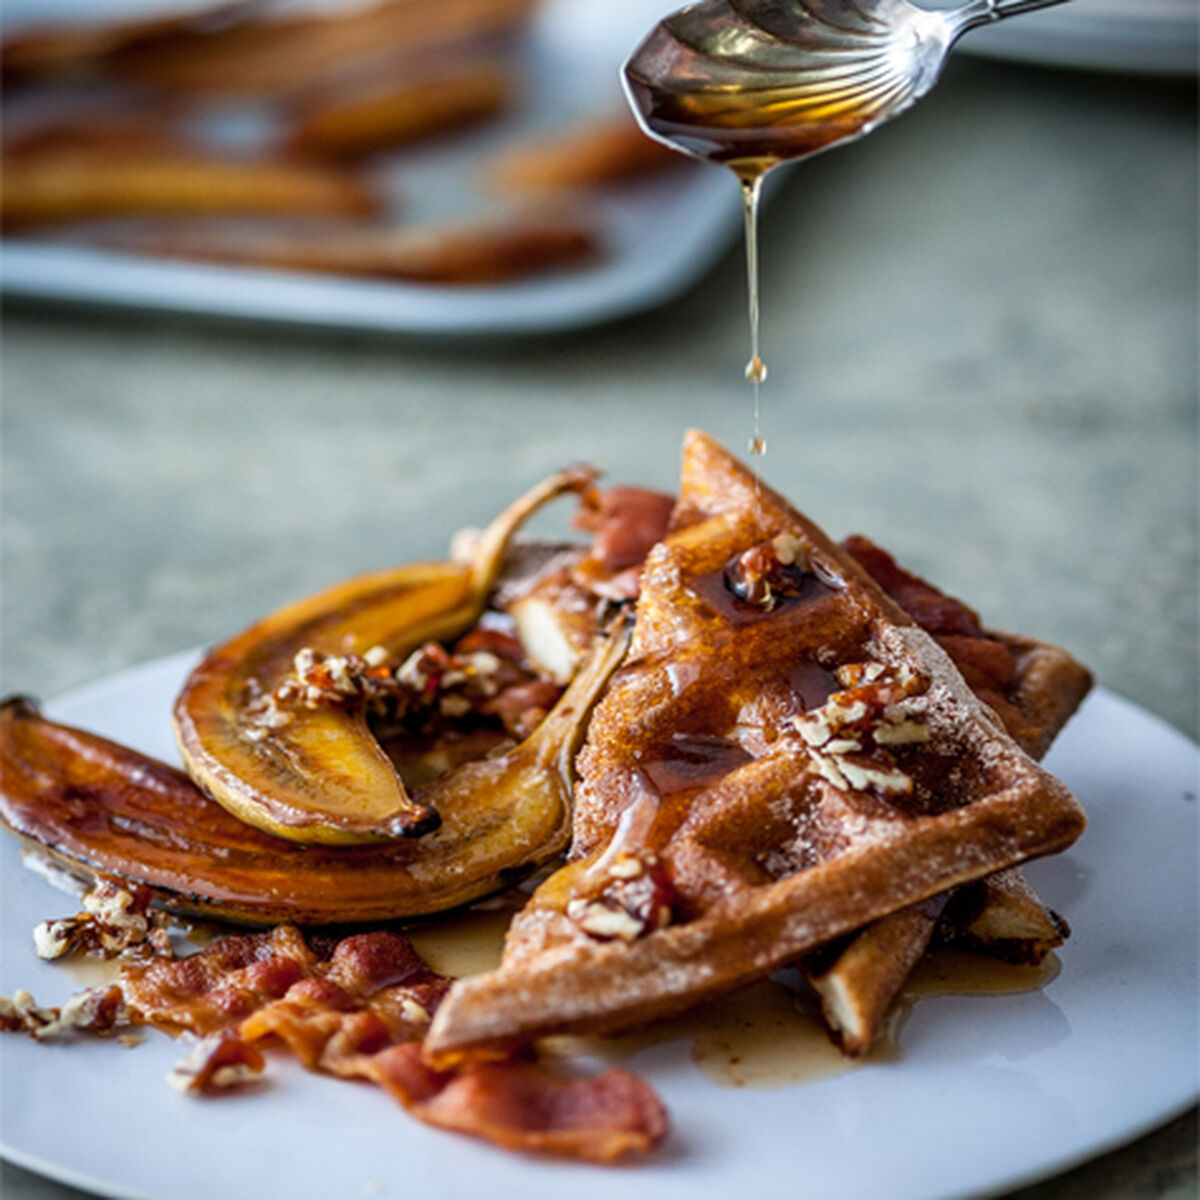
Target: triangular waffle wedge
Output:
[(1004, 917), (785, 757)]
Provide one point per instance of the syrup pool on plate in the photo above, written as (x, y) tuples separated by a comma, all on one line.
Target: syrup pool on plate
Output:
[(770, 1035)]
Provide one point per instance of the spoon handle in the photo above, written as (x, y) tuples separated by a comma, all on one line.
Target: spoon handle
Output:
[(982, 12), (1009, 8)]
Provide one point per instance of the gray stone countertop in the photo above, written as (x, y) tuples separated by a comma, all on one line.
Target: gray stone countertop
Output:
[(981, 329)]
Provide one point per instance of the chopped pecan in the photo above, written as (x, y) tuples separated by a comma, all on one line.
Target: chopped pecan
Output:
[(637, 899), (765, 572), (95, 1010), (113, 921), (219, 1061), (848, 737)]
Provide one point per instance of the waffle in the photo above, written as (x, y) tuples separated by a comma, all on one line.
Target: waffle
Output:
[(1034, 687), (785, 757)]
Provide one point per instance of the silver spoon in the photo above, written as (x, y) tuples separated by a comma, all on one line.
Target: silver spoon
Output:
[(754, 82)]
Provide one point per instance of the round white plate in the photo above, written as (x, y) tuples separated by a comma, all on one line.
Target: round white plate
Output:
[(987, 1093)]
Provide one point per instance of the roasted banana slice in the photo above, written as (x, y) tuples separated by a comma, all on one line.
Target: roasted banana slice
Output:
[(318, 774), (98, 810)]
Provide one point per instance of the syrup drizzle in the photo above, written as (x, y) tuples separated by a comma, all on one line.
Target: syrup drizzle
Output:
[(756, 369), (769, 1035), (765, 1036)]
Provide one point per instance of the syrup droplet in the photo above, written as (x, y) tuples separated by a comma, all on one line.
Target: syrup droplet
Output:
[(756, 370), (758, 445)]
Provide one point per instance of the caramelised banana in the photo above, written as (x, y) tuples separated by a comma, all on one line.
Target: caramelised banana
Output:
[(316, 772), (348, 126), (590, 153), (475, 252)]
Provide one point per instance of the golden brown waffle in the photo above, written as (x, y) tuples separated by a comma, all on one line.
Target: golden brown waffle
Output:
[(785, 757)]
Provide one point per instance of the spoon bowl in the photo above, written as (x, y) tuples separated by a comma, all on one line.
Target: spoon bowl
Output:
[(751, 83)]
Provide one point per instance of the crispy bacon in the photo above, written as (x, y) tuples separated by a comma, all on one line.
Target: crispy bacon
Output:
[(373, 992), (932, 609), (215, 989), (522, 1106), (522, 707), (985, 662), (626, 522), (982, 661)]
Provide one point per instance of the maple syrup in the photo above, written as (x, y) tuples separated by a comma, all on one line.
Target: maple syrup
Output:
[(718, 590), (89, 971), (688, 762), (756, 369), (769, 1035), (944, 971), (761, 1037), (466, 943)]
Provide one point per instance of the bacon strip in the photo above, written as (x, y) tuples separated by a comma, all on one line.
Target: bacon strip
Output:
[(522, 1106), (932, 609), (213, 990), (625, 523), (986, 664), (375, 991)]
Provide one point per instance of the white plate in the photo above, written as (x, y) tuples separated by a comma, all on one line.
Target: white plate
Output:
[(988, 1092), (1153, 36), (661, 235)]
